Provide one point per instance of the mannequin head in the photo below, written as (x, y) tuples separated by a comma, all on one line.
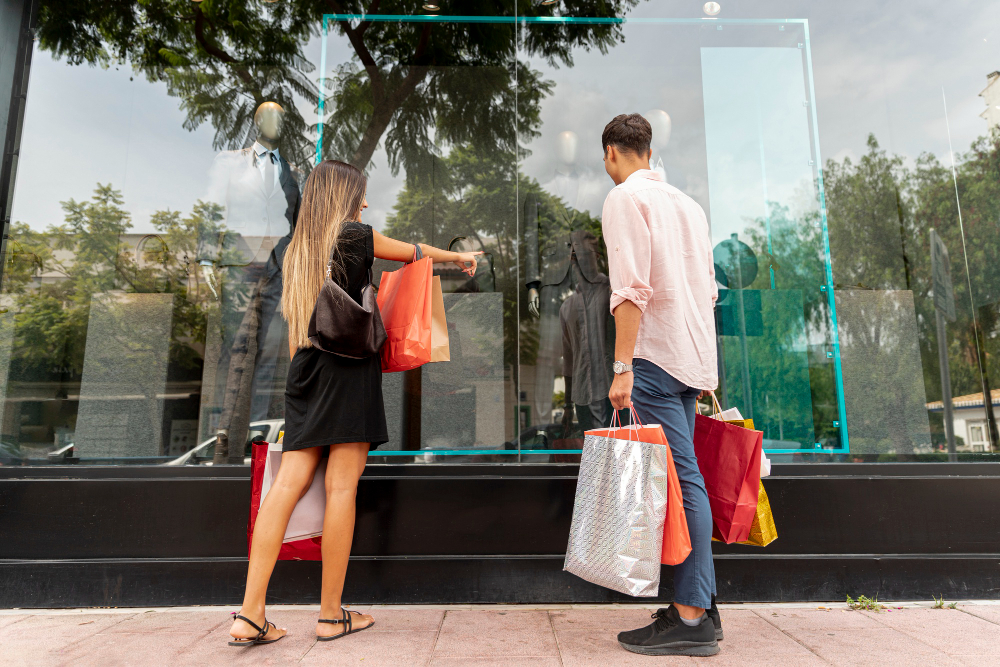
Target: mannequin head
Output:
[(566, 146), (269, 118), (661, 124)]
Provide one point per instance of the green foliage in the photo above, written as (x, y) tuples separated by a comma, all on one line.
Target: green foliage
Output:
[(52, 277), (223, 58), (865, 603)]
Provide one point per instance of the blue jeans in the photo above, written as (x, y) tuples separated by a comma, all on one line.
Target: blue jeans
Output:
[(659, 398)]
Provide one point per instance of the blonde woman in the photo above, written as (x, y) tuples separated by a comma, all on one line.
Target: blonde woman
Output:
[(333, 404)]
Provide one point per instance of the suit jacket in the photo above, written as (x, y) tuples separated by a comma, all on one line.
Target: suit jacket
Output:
[(251, 215)]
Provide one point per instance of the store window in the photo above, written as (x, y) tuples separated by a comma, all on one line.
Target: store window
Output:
[(849, 181)]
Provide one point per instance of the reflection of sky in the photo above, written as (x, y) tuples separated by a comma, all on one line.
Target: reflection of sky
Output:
[(757, 133), (878, 68)]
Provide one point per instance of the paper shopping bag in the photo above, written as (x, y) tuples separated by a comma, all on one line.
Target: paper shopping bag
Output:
[(676, 538), (616, 535), (439, 324), (405, 303), (303, 537), (762, 530), (729, 460)]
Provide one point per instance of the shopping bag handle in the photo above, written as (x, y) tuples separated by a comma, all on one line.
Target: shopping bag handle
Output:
[(634, 422), (715, 406)]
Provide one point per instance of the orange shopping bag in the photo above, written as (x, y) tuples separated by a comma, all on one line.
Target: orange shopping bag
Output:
[(676, 538), (405, 303)]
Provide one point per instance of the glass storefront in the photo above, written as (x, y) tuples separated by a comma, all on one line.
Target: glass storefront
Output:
[(847, 156)]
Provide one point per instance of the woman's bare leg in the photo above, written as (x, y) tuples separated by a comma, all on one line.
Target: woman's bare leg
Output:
[(294, 477), (346, 463)]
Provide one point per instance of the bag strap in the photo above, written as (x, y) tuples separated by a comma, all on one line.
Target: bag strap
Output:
[(715, 406), (417, 254)]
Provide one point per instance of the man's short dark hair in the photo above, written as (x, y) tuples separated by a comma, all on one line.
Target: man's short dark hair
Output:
[(628, 132)]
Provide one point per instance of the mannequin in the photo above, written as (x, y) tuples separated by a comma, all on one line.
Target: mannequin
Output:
[(662, 125), (255, 212), (260, 193), (564, 260)]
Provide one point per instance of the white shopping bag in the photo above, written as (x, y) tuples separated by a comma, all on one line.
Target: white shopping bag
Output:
[(307, 517)]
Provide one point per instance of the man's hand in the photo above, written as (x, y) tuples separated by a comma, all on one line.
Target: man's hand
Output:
[(621, 391)]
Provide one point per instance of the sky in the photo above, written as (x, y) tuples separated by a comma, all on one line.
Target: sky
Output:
[(876, 68)]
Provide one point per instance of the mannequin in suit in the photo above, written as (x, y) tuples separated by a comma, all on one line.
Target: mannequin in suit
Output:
[(260, 194), (563, 259)]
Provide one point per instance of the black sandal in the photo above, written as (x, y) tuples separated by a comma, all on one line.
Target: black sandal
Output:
[(348, 626), (261, 633)]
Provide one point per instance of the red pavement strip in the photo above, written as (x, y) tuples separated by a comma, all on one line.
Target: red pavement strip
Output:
[(494, 636)]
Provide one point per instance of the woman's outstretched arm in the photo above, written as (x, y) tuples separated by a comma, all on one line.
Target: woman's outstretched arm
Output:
[(386, 248)]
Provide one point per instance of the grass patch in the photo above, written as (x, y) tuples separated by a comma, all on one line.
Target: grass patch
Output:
[(865, 603)]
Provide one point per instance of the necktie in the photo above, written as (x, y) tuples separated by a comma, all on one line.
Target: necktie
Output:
[(268, 158)]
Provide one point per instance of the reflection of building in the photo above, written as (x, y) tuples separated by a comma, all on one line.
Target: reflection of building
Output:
[(970, 420), (991, 95)]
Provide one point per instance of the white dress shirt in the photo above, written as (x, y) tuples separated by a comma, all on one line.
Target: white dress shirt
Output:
[(261, 160), (660, 259)]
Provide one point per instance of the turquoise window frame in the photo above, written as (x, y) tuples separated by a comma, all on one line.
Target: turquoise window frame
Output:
[(841, 425)]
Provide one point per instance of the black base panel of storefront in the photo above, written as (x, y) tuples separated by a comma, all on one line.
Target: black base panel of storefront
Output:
[(75, 537)]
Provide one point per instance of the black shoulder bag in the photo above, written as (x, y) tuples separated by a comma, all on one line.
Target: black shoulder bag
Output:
[(341, 325)]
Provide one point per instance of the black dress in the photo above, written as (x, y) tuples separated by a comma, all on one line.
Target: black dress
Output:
[(331, 399)]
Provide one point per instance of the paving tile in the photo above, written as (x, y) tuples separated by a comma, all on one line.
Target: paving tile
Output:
[(750, 639), (110, 649), (396, 620), (10, 619), (866, 646), (817, 619), (494, 662), (585, 648), (948, 630), (607, 619), (486, 634), (991, 614), (213, 649), (371, 649), (40, 639), (172, 621)]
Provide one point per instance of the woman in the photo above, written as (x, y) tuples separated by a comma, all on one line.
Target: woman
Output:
[(333, 404)]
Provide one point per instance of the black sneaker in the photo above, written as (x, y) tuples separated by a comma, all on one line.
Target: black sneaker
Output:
[(713, 613), (668, 635)]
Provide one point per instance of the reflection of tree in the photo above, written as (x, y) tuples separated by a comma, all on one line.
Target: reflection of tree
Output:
[(412, 83), (53, 277), (881, 211), (475, 196)]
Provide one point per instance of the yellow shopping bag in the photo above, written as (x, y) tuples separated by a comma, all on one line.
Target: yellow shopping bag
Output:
[(762, 530)]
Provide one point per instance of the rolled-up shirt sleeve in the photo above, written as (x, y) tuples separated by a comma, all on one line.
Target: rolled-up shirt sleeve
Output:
[(626, 235)]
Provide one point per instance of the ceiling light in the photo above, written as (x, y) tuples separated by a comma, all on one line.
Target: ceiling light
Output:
[(712, 8), (431, 7), (550, 2)]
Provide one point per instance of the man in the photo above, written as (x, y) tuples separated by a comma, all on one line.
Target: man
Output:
[(663, 296)]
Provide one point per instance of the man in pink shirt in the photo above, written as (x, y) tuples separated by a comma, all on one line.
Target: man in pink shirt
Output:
[(663, 297)]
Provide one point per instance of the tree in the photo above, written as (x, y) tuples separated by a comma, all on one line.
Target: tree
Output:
[(409, 81)]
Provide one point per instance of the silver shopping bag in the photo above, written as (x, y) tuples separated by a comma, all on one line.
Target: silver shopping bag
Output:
[(616, 537)]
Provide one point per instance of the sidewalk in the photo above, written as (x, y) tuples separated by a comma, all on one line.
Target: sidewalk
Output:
[(532, 636)]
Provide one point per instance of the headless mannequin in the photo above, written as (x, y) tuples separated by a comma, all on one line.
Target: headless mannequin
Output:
[(564, 259)]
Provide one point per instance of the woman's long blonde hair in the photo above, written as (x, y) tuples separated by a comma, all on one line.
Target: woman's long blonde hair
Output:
[(333, 194)]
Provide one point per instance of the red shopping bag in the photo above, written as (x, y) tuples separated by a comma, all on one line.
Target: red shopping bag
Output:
[(405, 303), (729, 460), (306, 549), (676, 538)]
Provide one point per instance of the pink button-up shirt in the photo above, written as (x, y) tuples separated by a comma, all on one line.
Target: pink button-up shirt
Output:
[(660, 259)]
